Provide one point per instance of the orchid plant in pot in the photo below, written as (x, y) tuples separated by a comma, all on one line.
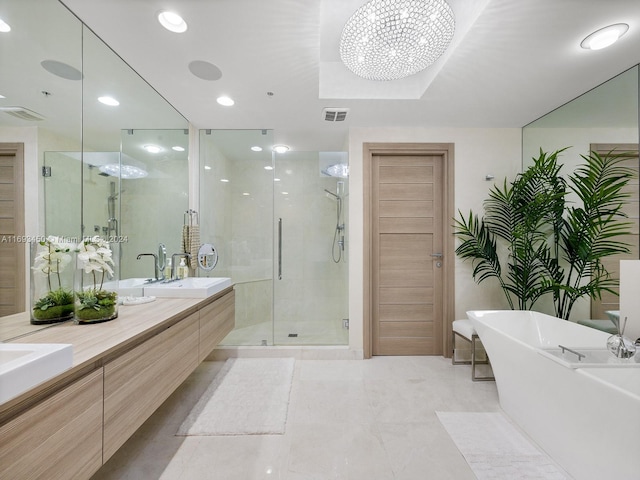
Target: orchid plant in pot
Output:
[(51, 281), (93, 303)]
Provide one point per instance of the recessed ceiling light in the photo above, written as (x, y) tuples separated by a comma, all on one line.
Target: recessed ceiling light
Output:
[(246, 194), (123, 171), (177, 148), (112, 102), (280, 148), (268, 167), (172, 22), (605, 37), (152, 148), (276, 179), (2, 96), (256, 148), (4, 26), (225, 101), (207, 167), (224, 180)]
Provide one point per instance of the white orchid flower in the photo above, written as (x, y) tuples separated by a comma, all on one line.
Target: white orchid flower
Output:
[(96, 257)]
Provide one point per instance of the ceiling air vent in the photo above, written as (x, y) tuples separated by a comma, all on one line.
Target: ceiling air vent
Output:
[(22, 113), (331, 114)]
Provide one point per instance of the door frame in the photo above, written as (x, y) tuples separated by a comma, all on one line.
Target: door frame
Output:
[(16, 150), (446, 150)]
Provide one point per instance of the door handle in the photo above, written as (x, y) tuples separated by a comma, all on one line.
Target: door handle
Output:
[(436, 255)]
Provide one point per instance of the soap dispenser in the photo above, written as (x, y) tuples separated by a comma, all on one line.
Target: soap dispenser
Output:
[(183, 270), (167, 270)]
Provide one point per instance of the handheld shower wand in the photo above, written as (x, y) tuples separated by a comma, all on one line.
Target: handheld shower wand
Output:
[(338, 237)]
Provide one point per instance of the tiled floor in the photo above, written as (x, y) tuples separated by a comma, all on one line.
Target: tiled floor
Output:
[(348, 419)]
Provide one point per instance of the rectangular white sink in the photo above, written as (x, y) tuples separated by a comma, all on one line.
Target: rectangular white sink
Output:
[(25, 365), (191, 287), (132, 287)]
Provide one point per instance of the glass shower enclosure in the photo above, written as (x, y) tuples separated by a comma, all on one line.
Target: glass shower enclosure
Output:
[(279, 224)]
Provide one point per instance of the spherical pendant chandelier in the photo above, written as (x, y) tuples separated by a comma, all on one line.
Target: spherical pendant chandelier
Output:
[(392, 39)]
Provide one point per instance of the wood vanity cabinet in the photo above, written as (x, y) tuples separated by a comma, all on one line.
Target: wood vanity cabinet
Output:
[(60, 437), (139, 381), (216, 321), (71, 431)]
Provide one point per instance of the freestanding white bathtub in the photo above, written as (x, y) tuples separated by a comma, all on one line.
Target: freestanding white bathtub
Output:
[(586, 416)]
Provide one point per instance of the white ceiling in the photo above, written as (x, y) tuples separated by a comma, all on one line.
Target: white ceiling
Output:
[(511, 62)]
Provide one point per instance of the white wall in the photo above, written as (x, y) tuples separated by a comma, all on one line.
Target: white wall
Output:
[(578, 139), (478, 152)]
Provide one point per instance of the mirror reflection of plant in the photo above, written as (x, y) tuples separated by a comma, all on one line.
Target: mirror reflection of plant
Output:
[(552, 247), (52, 257)]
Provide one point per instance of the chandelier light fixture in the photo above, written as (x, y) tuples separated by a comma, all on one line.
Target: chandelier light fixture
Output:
[(392, 39)]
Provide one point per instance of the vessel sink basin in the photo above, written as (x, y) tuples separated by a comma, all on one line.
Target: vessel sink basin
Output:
[(25, 365), (128, 287), (192, 287)]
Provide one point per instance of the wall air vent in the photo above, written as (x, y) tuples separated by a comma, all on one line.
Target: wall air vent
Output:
[(22, 113), (331, 114)]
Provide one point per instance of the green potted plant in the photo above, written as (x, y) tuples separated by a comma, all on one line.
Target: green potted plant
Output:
[(51, 281), (552, 246), (93, 303)]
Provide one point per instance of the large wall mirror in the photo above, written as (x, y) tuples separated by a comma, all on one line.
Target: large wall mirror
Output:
[(603, 119), (102, 175)]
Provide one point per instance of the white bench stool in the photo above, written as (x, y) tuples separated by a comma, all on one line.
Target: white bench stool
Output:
[(464, 329)]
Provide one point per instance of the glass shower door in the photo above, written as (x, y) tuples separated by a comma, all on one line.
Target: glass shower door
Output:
[(277, 222), (236, 212), (310, 294)]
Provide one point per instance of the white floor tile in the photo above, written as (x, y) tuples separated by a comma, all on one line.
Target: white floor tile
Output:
[(347, 419)]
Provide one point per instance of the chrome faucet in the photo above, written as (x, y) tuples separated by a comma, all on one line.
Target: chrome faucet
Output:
[(173, 264), (158, 273)]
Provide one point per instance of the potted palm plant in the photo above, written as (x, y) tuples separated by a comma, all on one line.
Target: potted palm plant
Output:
[(553, 246)]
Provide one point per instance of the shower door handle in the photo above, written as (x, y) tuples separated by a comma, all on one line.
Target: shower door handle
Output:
[(279, 248)]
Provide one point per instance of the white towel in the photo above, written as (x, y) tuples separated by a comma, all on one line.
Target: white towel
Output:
[(194, 245)]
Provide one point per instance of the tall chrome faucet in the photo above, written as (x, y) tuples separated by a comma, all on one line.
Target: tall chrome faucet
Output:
[(160, 260)]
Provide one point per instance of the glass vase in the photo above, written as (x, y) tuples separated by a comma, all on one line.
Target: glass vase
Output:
[(95, 299), (51, 281), (93, 302)]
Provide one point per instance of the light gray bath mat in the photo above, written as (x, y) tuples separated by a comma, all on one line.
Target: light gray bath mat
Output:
[(495, 449), (249, 396)]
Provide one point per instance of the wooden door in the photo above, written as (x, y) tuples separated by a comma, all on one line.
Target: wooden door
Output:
[(407, 244), (12, 241), (610, 301)]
